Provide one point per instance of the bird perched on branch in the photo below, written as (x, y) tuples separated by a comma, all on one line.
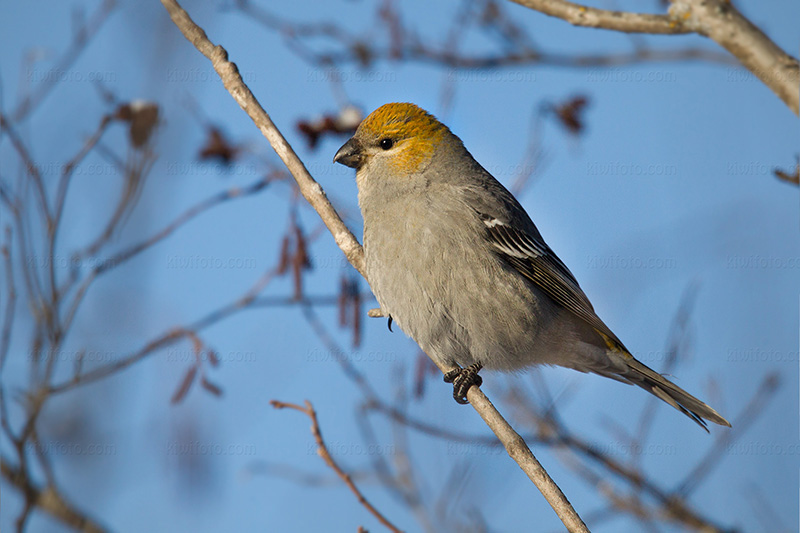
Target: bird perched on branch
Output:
[(457, 263)]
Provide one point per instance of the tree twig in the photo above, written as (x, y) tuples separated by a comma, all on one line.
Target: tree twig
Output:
[(83, 35), (591, 17), (718, 20), (49, 500), (323, 452), (229, 74)]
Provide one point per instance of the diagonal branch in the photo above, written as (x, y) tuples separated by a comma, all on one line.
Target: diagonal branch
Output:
[(721, 22), (322, 451), (312, 191), (309, 188), (49, 500), (718, 20)]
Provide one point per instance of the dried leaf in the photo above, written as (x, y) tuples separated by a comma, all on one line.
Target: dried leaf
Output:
[(302, 250), (283, 261), (310, 131), (490, 14), (344, 122), (570, 114), (356, 303), (210, 387), (793, 177), (218, 147), (185, 385), (142, 118), (363, 54), (297, 277), (341, 302), (78, 366)]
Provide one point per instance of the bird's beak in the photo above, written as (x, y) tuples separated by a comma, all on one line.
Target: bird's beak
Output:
[(350, 154)]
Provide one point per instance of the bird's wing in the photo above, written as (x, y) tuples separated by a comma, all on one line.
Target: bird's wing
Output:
[(532, 257)]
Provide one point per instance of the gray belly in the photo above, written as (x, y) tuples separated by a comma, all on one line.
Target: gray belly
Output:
[(460, 313)]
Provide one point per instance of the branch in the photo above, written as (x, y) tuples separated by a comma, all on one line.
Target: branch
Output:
[(104, 265), (591, 17), (405, 45), (309, 188), (11, 299), (323, 452), (83, 34), (716, 19), (312, 191), (723, 444), (49, 500), (724, 24)]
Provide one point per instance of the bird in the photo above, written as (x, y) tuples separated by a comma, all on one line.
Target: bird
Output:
[(456, 262)]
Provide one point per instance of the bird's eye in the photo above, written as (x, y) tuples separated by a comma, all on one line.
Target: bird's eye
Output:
[(385, 144)]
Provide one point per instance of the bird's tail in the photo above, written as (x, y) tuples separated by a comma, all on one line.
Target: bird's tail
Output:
[(653, 382)]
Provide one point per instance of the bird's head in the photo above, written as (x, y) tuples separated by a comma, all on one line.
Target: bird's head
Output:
[(397, 139)]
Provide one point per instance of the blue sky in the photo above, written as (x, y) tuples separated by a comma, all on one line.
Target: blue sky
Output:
[(670, 185)]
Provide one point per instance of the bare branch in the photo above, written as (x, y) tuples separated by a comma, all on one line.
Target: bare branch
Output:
[(591, 17), (49, 500), (749, 414), (553, 434), (33, 170), (405, 45), (82, 37), (721, 22), (309, 188), (130, 252), (323, 452), (11, 300), (168, 338), (718, 20)]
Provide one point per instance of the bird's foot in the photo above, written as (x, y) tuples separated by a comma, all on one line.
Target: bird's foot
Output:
[(379, 313), (462, 379)]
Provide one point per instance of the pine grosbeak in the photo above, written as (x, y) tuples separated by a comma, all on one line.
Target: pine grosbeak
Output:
[(456, 261)]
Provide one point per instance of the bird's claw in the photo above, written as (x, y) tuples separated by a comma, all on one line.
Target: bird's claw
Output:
[(462, 379)]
